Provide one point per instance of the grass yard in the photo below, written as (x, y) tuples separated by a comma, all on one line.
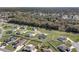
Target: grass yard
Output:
[(55, 34), (4, 38), (9, 47), (74, 50), (35, 42)]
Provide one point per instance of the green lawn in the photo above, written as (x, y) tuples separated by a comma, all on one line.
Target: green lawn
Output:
[(55, 34), (9, 47), (74, 50), (4, 38), (35, 42)]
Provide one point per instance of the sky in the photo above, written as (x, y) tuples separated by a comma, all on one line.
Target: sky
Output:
[(39, 3)]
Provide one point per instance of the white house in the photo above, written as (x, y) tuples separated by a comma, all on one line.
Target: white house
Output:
[(30, 48)]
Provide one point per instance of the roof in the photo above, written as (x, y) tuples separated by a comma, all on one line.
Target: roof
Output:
[(30, 45), (20, 42), (29, 48), (62, 38), (63, 48), (42, 36)]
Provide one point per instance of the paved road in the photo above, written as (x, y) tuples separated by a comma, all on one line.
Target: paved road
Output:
[(18, 48), (76, 45)]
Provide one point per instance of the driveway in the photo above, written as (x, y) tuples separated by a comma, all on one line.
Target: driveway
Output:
[(74, 44)]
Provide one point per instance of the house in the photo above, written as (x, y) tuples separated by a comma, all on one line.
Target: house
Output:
[(30, 48), (3, 44), (3, 20), (63, 48), (76, 17), (31, 34), (10, 40), (62, 38), (13, 37), (42, 36), (17, 33), (34, 29), (65, 17), (22, 27), (20, 42)]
